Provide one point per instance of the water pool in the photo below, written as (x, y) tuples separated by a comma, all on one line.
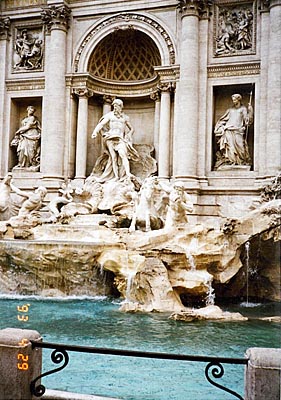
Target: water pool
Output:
[(98, 322)]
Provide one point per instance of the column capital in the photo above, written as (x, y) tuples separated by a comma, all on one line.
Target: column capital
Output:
[(5, 24), (107, 99), (266, 5), (156, 95), (166, 86), (82, 92), (56, 17), (198, 8)]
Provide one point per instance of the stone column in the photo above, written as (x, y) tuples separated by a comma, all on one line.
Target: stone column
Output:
[(164, 130), (4, 150), (156, 97), (107, 104), (54, 112), (185, 139), (82, 132), (263, 374), (261, 139), (19, 363), (274, 90)]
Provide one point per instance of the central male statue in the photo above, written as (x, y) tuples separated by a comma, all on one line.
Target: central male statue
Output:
[(116, 131)]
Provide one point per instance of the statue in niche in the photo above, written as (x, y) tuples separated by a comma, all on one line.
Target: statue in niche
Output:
[(29, 51), (234, 31), (116, 131), (231, 132), (27, 141)]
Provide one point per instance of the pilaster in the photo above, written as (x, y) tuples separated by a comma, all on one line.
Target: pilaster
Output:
[(274, 89), (4, 36)]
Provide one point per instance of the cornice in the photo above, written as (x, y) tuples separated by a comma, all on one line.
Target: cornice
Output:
[(111, 88), (226, 70), (25, 84)]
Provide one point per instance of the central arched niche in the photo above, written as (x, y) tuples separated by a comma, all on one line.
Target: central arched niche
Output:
[(125, 56)]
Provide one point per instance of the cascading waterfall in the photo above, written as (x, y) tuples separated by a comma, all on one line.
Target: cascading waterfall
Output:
[(210, 298), (130, 278), (247, 249), (191, 261)]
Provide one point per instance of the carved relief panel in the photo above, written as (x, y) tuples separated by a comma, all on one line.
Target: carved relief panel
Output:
[(234, 28), (28, 49)]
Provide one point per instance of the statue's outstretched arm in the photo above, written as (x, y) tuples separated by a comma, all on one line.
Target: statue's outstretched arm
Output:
[(18, 191), (103, 121)]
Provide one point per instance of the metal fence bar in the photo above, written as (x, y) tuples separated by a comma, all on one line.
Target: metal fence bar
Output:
[(60, 355)]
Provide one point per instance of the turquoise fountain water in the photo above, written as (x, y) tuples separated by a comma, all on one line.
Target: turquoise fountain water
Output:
[(98, 322)]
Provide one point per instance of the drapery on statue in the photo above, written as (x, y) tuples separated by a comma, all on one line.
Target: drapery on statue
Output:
[(116, 131), (231, 133), (27, 141)]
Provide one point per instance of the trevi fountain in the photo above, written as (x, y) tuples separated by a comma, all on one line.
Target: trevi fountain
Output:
[(127, 232)]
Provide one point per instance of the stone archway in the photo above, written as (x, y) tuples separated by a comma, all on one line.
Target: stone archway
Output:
[(124, 21)]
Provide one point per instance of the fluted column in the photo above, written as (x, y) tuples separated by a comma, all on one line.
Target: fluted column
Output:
[(274, 90), (82, 132), (164, 130), (185, 139), (54, 113), (4, 35), (156, 97)]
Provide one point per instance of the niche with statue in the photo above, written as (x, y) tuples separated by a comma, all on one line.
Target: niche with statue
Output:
[(25, 136), (233, 127)]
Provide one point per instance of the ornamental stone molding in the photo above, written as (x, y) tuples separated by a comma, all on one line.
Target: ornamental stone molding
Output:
[(56, 17), (125, 21), (83, 92), (223, 71), (25, 84), (199, 8), (156, 95), (5, 24), (168, 73), (166, 86), (104, 88)]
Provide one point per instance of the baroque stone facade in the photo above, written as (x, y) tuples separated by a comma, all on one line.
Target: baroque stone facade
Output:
[(175, 64)]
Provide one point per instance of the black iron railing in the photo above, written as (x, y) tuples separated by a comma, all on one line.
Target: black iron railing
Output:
[(214, 365)]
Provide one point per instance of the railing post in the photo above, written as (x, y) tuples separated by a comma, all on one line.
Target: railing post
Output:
[(19, 364), (263, 374)]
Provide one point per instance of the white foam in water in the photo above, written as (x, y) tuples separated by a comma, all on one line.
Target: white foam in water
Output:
[(53, 298), (247, 304)]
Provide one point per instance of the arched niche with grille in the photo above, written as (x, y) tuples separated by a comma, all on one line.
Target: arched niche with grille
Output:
[(125, 55)]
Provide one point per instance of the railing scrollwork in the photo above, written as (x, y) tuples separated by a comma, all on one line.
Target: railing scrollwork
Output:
[(217, 371), (59, 355)]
